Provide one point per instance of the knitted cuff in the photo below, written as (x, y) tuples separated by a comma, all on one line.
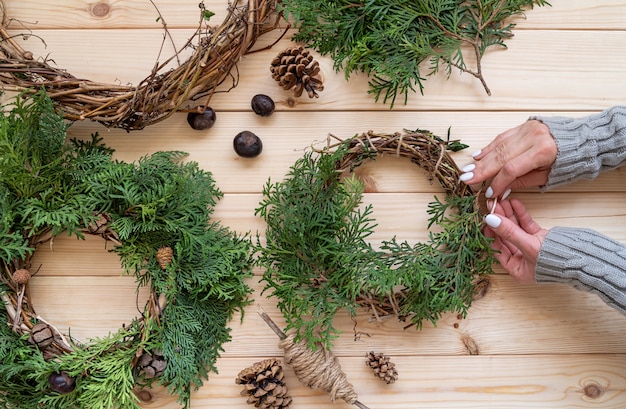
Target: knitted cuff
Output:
[(586, 146), (586, 260)]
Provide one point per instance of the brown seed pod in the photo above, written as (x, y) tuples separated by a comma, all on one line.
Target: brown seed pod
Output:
[(61, 382), (382, 366), (202, 120), (41, 335), (151, 364), (264, 386), (247, 144), (262, 105), (21, 276), (164, 256), (295, 68)]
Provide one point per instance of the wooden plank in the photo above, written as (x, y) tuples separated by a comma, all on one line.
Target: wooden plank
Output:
[(128, 14), (509, 319), (286, 135), (548, 382), (602, 211), (562, 74), (543, 346), (121, 14)]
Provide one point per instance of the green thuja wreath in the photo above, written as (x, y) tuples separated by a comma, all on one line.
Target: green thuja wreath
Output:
[(317, 258), (157, 214)]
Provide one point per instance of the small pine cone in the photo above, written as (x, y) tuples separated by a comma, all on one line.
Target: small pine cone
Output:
[(21, 276), (151, 364), (295, 68), (264, 386), (382, 366), (100, 225), (164, 256)]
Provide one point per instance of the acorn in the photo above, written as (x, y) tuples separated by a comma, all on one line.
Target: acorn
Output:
[(61, 382), (262, 105), (203, 119), (21, 276), (247, 144)]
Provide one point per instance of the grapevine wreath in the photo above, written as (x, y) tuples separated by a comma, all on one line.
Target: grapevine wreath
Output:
[(155, 214), (188, 87), (316, 257)]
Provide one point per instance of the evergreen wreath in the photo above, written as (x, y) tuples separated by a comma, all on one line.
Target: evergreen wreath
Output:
[(316, 256), (395, 41), (187, 87), (156, 212)]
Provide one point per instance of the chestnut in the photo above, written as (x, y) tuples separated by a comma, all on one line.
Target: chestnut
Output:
[(204, 119), (61, 382), (262, 105), (247, 144)]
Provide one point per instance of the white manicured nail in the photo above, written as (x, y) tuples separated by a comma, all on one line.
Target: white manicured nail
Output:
[(506, 194), (493, 221), (466, 176), (489, 192), (478, 152), (469, 168)]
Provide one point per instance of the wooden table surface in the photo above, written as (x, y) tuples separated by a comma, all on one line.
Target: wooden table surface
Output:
[(543, 346)]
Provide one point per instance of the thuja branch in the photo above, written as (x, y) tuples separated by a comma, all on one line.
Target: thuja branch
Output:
[(393, 41)]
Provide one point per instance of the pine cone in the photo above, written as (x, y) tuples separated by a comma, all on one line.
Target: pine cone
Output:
[(296, 68), (151, 364), (164, 256), (100, 225), (264, 386), (382, 366)]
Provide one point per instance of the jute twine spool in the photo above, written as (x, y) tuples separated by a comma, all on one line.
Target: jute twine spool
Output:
[(317, 369)]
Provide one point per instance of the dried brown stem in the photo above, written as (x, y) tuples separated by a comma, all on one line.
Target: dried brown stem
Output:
[(163, 91)]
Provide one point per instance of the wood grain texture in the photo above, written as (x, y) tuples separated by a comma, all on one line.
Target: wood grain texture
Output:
[(538, 346)]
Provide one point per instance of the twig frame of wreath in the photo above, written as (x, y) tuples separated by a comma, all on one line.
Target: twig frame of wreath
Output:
[(317, 258), (155, 213), (189, 86)]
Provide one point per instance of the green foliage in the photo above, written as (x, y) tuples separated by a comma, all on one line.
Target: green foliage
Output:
[(393, 41), (49, 186), (318, 260), (315, 230)]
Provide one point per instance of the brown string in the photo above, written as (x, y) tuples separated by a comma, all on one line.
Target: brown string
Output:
[(318, 369)]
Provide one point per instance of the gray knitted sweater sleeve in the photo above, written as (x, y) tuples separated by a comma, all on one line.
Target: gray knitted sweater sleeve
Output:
[(584, 258)]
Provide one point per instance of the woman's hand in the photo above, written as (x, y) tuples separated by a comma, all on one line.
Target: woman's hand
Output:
[(517, 239), (517, 158)]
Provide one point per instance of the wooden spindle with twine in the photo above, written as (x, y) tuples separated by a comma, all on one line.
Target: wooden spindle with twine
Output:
[(316, 369)]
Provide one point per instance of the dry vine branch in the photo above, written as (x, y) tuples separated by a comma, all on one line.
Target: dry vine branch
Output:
[(217, 50)]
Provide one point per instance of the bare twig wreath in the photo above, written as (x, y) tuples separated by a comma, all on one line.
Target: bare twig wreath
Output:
[(155, 214), (216, 51), (317, 258)]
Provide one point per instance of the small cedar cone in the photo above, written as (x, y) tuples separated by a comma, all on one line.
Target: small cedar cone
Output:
[(382, 366), (164, 256), (264, 386), (151, 364), (21, 276), (100, 225), (295, 68)]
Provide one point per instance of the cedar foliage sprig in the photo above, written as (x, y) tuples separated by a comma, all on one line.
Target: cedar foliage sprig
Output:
[(395, 41), (316, 253), (49, 186)]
